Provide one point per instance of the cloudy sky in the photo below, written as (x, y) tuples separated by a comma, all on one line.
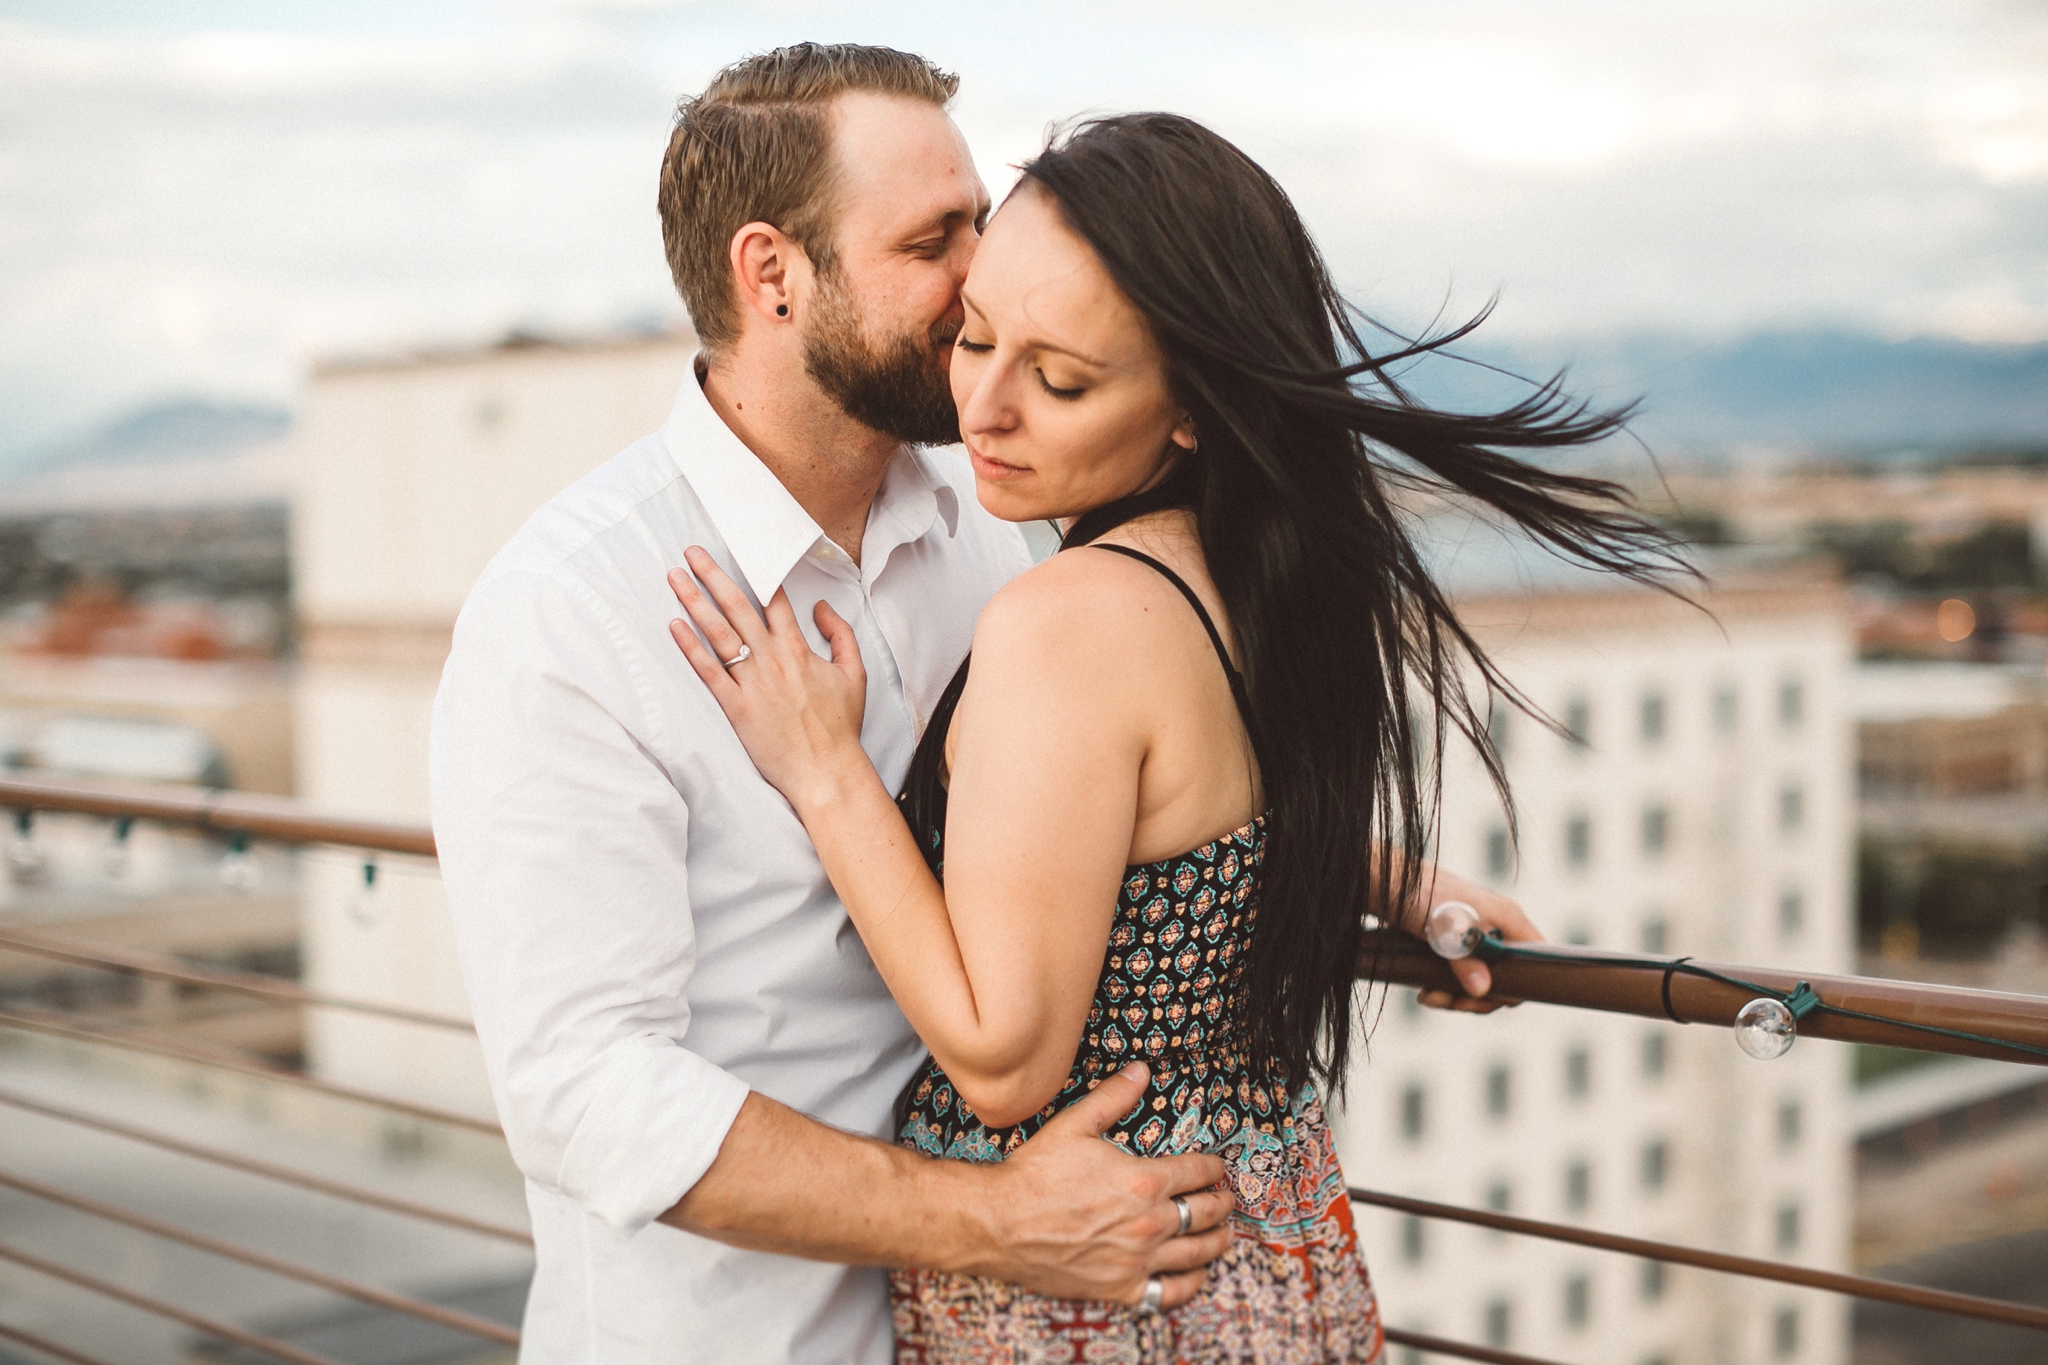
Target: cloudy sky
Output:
[(197, 198)]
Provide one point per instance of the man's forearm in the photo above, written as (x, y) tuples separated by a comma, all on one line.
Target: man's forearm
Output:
[(786, 1183), (1066, 1214)]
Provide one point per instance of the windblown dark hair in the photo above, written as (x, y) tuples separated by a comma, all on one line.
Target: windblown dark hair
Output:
[(1353, 659)]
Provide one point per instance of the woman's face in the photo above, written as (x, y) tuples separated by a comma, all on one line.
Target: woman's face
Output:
[(1061, 389)]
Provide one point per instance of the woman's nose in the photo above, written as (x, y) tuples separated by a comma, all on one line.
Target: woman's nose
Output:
[(989, 405)]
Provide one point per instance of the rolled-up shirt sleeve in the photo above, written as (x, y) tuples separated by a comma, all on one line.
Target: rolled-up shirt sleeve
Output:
[(562, 845)]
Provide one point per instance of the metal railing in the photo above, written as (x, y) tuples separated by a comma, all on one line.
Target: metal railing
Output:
[(1591, 979), (1582, 978)]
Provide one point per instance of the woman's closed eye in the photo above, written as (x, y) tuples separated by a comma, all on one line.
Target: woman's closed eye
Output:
[(1065, 395), (972, 347)]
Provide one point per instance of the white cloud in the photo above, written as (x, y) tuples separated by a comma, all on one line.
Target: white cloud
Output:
[(204, 206)]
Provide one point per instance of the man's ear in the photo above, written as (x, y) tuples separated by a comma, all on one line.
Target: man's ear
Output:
[(766, 269)]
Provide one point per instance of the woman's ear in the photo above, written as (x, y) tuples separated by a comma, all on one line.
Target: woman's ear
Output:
[(1184, 434)]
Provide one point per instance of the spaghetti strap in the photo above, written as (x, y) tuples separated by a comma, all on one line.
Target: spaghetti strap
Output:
[(1230, 672)]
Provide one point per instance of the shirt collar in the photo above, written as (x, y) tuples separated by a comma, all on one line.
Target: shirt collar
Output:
[(912, 497), (765, 528)]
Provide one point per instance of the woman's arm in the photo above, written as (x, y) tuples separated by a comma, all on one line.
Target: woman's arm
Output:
[(996, 969)]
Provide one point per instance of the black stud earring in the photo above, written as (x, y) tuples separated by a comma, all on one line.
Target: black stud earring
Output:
[(782, 310)]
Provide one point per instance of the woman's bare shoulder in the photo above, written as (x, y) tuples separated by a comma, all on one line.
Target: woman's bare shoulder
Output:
[(1078, 599)]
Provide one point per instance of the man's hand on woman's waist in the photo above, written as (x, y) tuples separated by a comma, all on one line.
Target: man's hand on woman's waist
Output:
[(1068, 1214)]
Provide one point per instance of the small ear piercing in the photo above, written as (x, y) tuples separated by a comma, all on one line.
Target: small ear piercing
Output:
[(782, 310)]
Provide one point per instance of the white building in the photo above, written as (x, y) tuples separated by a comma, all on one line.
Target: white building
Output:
[(416, 471), (1708, 810)]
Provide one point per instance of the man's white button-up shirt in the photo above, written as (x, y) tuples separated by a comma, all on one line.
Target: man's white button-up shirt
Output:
[(645, 931)]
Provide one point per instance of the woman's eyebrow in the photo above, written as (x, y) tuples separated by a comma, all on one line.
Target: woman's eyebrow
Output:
[(1040, 343)]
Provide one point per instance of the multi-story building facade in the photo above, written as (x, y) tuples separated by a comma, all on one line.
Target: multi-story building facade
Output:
[(1700, 804)]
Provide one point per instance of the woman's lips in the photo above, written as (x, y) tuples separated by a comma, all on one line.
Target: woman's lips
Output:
[(993, 470)]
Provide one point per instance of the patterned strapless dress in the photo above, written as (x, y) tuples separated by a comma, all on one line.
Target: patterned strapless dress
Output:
[(1292, 1289)]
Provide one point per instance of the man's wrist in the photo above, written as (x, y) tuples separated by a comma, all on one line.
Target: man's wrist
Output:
[(962, 1215)]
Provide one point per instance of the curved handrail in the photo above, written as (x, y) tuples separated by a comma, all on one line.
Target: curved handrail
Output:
[(1592, 979), (222, 812)]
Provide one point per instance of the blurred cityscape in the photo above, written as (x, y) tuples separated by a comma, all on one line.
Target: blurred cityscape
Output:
[(1837, 761), (272, 392)]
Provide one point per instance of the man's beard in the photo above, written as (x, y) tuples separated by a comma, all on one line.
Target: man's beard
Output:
[(900, 388)]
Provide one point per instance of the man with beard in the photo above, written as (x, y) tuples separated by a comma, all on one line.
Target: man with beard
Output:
[(693, 1057)]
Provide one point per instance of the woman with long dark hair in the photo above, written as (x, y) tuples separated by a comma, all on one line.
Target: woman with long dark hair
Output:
[(1193, 751)]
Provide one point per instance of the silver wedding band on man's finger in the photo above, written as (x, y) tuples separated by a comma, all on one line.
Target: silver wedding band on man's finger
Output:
[(1154, 1296), (746, 653), (1187, 1214)]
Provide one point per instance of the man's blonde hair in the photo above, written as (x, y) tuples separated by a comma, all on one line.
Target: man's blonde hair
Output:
[(756, 147)]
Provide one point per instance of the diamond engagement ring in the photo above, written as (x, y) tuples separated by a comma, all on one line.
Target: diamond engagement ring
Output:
[(1155, 1294), (1187, 1214), (746, 653)]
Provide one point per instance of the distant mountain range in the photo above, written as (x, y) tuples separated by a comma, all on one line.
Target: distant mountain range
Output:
[(1824, 392), (182, 453), (177, 429)]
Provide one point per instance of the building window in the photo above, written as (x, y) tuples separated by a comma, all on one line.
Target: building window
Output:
[(1791, 702), (1656, 1055), (1498, 726), (1791, 913), (1500, 1197), (1785, 1332), (1655, 1278), (1500, 1324), (1656, 829), (1656, 1164), (1656, 934), (1653, 718), (1578, 722), (1578, 1187), (1578, 1073), (1498, 853), (1578, 840), (1724, 710), (1788, 1227), (1414, 1113), (1412, 1355), (1791, 807), (1578, 1300), (1499, 1091), (1414, 1245), (1788, 1123)]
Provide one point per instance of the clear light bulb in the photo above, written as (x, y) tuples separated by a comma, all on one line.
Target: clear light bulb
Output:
[(1452, 930), (115, 859), (25, 858), (238, 870), (1765, 1029), (362, 906)]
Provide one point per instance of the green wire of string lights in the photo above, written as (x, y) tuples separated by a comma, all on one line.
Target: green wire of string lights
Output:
[(1800, 1001)]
